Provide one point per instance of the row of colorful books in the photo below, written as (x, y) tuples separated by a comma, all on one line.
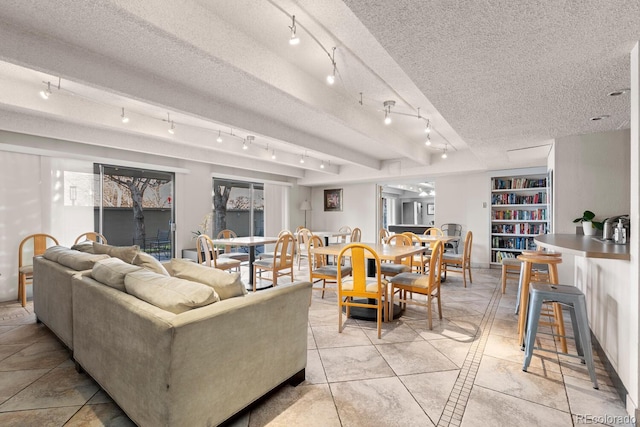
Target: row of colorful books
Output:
[(513, 183)]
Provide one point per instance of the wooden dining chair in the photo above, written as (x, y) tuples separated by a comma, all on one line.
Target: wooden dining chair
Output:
[(420, 262), (390, 269), (208, 255), (230, 251), (434, 231), (270, 254), (424, 284), (356, 235), (383, 235), (346, 230), (319, 270), (30, 246), (282, 261), (460, 263), (91, 236), (302, 243), (361, 290)]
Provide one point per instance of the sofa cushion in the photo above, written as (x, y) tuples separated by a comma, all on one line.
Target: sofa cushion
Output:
[(54, 252), (125, 253), (80, 260), (86, 246), (227, 285), (168, 293), (111, 272), (149, 262)]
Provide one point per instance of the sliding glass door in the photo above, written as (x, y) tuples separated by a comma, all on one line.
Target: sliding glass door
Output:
[(135, 206), (238, 206)]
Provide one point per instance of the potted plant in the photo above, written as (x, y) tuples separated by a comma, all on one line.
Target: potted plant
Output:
[(589, 226)]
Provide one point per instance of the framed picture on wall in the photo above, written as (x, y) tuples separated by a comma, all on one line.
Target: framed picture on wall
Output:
[(431, 209), (333, 200)]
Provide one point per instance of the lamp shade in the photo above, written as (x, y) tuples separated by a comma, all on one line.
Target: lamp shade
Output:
[(305, 206)]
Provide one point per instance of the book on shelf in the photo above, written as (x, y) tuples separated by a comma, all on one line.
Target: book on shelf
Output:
[(518, 183)]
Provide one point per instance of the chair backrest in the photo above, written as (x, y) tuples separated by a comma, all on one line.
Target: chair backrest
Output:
[(383, 235), (415, 240), (227, 234), (304, 235), (345, 229), (38, 243), (284, 231), (434, 231), (91, 236), (283, 252), (163, 235), (315, 260), (451, 229), (206, 251), (399, 240), (466, 252), (359, 254), (435, 264), (356, 235)]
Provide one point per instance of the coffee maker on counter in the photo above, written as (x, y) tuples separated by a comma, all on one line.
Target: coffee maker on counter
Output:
[(616, 229)]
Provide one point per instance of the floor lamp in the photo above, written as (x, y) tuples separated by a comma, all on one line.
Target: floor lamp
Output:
[(305, 206)]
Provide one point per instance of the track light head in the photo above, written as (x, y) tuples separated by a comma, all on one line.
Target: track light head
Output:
[(273, 154), (387, 111), (294, 39), (219, 138), (427, 128), (45, 93), (331, 78), (444, 155), (302, 159), (428, 141), (172, 128), (322, 165), (124, 118), (244, 145)]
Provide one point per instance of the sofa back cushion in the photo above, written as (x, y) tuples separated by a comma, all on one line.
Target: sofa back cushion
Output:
[(53, 253), (86, 246), (226, 285), (125, 253), (111, 272), (71, 258), (168, 293), (149, 262)]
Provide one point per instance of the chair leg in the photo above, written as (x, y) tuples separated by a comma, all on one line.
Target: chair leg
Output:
[(470, 278), (503, 278), (255, 277), (429, 314), (439, 306), (339, 315)]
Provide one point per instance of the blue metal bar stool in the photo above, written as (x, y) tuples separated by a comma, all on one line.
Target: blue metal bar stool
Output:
[(572, 298)]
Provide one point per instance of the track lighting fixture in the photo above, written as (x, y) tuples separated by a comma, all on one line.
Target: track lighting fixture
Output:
[(428, 141), (322, 165), (250, 139), (444, 153), (172, 128), (387, 111), (124, 118), (44, 94), (294, 39), (427, 129), (331, 78), (273, 154), (219, 138), (302, 159), (244, 145)]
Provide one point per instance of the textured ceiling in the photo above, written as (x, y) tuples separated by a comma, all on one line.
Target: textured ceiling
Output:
[(491, 76)]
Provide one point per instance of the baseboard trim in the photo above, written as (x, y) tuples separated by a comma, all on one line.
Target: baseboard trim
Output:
[(617, 382)]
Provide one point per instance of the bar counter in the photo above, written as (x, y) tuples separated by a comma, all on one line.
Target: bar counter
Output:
[(585, 246)]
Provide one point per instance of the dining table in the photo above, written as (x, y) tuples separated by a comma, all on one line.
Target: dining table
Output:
[(386, 253), (251, 242)]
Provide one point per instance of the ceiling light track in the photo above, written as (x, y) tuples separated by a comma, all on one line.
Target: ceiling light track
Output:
[(46, 93)]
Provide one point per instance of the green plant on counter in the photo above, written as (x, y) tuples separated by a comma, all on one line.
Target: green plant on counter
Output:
[(589, 216)]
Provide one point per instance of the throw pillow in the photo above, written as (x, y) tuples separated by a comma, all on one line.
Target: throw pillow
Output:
[(54, 252), (168, 293), (125, 253), (80, 260), (111, 272), (149, 262), (86, 246), (227, 285)]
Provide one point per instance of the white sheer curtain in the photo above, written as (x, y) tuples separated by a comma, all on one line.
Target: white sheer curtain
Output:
[(276, 208)]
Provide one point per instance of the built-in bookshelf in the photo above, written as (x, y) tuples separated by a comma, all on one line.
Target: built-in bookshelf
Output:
[(520, 210)]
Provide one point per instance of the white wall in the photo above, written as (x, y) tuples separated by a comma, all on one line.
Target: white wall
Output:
[(465, 200), (633, 300), (359, 207)]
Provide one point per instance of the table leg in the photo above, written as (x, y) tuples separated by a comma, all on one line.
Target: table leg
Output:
[(252, 258)]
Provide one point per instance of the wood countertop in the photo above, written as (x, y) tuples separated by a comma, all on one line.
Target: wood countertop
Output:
[(586, 246)]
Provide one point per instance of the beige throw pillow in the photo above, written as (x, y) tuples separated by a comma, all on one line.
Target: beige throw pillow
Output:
[(149, 262), (79, 260), (227, 285), (86, 246), (111, 272), (54, 252), (125, 253), (168, 293)]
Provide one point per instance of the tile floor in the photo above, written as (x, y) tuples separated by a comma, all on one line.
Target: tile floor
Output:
[(464, 372)]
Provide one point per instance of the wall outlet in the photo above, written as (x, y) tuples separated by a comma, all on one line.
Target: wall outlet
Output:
[(484, 205)]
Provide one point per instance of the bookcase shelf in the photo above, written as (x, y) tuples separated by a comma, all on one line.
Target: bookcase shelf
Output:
[(520, 210)]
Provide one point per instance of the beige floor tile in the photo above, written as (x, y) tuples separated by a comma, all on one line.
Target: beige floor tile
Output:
[(351, 335), (354, 363), (314, 372), (585, 401), (101, 396), (47, 417), (60, 387), (97, 415), (508, 349), (431, 390), (377, 402), (26, 334), (10, 349), (444, 328), (395, 331), (308, 405), (543, 387), (414, 358), (43, 354), (311, 341), (14, 381), (454, 350), (490, 408)]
